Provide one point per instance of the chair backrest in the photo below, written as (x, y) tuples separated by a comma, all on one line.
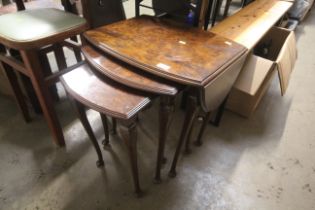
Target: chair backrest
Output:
[(102, 12), (169, 6), (20, 5)]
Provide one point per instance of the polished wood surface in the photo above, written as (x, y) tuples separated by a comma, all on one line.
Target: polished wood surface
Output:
[(141, 80), (251, 23), (126, 74), (109, 98), (186, 55), (102, 94)]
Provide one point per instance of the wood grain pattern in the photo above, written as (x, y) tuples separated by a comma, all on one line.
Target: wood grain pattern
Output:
[(102, 94), (126, 74), (186, 55), (250, 24)]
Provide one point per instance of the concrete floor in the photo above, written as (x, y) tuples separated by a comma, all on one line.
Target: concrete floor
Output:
[(266, 162)]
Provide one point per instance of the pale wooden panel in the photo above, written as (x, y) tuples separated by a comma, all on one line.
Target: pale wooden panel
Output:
[(250, 24)]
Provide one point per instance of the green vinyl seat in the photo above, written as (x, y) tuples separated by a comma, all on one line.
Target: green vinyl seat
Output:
[(25, 29), (25, 39)]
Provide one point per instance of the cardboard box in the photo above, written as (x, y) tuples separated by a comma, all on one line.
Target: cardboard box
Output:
[(258, 72)]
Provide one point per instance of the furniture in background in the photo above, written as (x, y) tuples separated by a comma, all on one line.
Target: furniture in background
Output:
[(185, 11), (52, 28), (102, 12), (253, 22), (27, 85)]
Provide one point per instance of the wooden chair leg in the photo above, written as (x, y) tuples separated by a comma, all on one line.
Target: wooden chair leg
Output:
[(18, 93), (105, 142), (32, 63), (131, 142), (83, 118), (166, 108), (191, 113), (60, 56), (76, 51), (114, 123), (30, 91), (47, 71), (206, 119), (28, 86)]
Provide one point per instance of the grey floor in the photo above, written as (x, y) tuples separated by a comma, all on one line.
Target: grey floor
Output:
[(266, 162)]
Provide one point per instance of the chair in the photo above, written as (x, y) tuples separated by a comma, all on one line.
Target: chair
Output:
[(31, 5), (110, 99), (102, 12), (26, 47)]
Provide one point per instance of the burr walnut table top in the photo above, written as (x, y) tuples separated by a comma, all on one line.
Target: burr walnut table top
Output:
[(186, 55)]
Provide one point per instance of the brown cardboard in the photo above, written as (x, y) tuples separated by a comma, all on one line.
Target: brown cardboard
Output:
[(256, 76), (251, 85), (283, 53), (253, 74)]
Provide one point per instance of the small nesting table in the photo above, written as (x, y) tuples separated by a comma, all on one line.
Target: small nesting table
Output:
[(28, 31), (204, 63)]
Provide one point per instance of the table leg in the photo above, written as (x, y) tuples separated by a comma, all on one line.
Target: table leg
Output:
[(191, 112), (32, 63), (131, 142), (219, 114), (206, 119), (166, 108), (187, 144)]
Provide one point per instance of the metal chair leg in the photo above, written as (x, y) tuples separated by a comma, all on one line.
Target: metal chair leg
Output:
[(28, 86), (227, 7), (217, 7)]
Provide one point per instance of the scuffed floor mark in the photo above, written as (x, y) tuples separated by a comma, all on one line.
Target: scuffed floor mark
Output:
[(307, 187)]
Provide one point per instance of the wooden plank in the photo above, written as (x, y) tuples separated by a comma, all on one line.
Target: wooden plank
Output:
[(250, 24), (182, 54)]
